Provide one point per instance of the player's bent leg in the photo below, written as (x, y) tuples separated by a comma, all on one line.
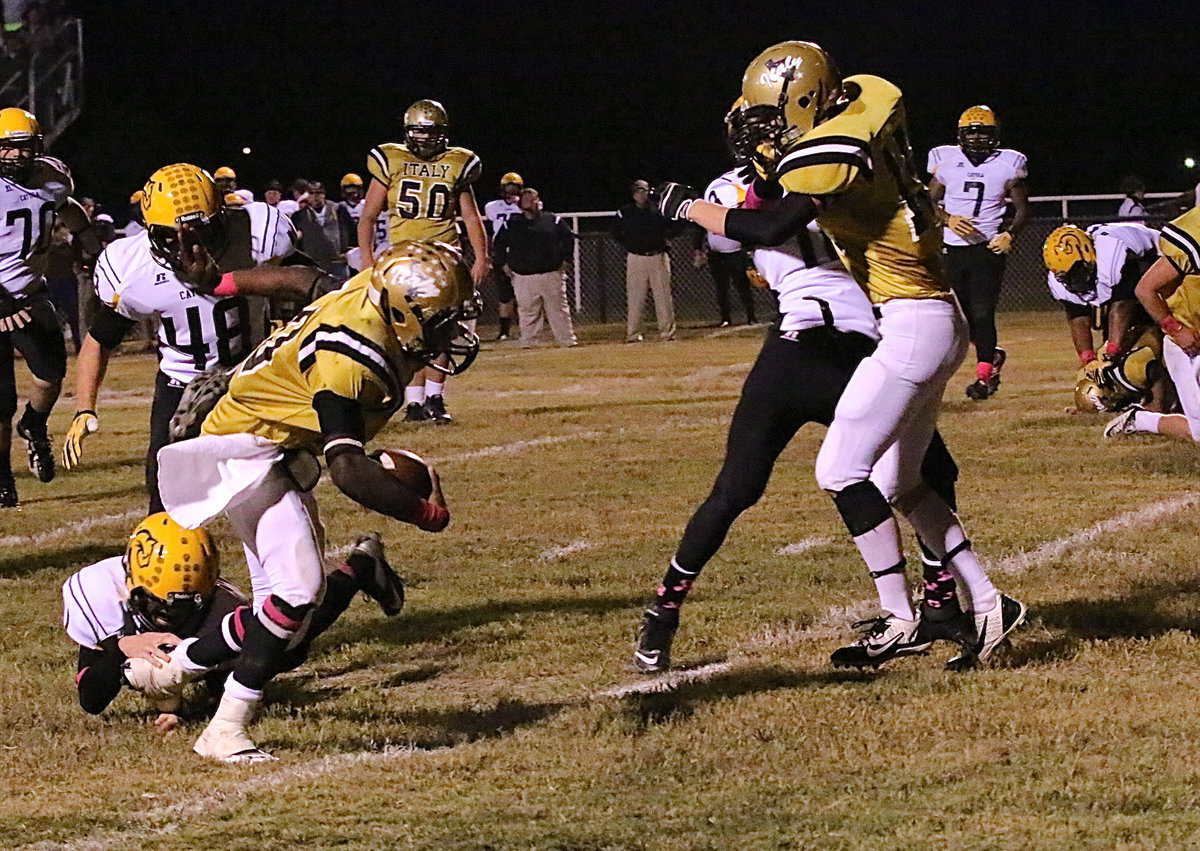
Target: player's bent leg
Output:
[(8, 409), (41, 343)]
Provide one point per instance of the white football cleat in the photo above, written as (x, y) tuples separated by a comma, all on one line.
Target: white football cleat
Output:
[(226, 741), (1123, 424)]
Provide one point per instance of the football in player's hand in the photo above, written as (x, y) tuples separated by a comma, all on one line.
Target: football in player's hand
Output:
[(410, 468)]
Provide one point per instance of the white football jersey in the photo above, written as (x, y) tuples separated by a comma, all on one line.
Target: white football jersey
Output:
[(355, 210), (27, 220), (498, 212), (806, 273), (976, 191), (728, 190), (94, 602), (195, 331), (1116, 244)]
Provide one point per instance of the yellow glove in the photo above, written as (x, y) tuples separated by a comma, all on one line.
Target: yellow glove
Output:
[(85, 423), (1001, 243), (961, 225)]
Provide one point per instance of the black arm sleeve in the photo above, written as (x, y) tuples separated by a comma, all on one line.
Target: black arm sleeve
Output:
[(773, 226), (341, 422), (109, 327), (100, 677)]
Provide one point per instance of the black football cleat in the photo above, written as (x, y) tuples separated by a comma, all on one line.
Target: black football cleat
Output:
[(946, 624), (883, 638), (435, 411), (414, 412), (653, 652), (375, 576), (8, 492), (41, 453)]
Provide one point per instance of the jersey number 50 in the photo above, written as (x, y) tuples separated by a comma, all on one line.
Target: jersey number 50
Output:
[(411, 205)]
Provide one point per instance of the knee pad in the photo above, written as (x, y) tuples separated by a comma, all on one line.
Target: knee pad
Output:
[(282, 619), (862, 507)]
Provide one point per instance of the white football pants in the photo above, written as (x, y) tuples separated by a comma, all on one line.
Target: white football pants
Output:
[(1184, 370)]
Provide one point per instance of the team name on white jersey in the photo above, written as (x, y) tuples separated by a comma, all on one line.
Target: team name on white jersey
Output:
[(976, 191), (195, 331)]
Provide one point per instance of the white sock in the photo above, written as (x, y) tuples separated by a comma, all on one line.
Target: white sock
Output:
[(434, 388), (881, 550), (180, 654), (1147, 421), (243, 694), (414, 394), (942, 532)]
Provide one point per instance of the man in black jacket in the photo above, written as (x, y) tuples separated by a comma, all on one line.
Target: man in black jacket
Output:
[(536, 247), (643, 232)]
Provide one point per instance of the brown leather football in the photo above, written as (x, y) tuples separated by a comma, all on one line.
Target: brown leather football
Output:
[(409, 467)]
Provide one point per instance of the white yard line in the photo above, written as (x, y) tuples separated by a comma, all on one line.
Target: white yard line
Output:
[(559, 553), (70, 530), (520, 446), (804, 545), (734, 329), (170, 818)]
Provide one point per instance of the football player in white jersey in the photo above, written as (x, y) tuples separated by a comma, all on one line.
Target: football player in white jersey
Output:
[(497, 212), (825, 329), (35, 190), (1093, 274), (127, 613), (143, 276), (971, 180)]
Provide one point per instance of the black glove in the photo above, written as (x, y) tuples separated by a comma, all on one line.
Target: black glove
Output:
[(674, 199), (14, 313)]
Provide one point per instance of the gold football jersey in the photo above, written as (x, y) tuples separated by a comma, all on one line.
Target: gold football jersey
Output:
[(340, 343), (877, 212), (1179, 242), (422, 199)]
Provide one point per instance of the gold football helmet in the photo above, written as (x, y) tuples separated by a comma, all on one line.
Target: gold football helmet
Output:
[(432, 283), (426, 128), (788, 89), (171, 572), (351, 179), (20, 140), (978, 131), (226, 179), (1069, 254), (512, 178), (176, 196)]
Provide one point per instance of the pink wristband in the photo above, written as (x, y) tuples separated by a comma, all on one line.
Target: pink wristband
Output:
[(1171, 325), (1086, 357), (431, 517), (1111, 348), (754, 202), (227, 287)]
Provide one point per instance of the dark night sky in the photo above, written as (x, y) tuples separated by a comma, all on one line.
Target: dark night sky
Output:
[(582, 97)]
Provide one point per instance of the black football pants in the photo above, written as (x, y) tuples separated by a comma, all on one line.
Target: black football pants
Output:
[(976, 275), (167, 393), (797, 379)]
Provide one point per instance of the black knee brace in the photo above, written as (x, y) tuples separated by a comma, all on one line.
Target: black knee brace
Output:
[(862, 507)]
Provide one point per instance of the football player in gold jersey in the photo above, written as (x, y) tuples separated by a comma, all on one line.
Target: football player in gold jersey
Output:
[(326, 382), (1170, 292), (839, 150), (424, 183)]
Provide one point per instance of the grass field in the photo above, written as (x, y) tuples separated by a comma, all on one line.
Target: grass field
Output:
[(500, 710)]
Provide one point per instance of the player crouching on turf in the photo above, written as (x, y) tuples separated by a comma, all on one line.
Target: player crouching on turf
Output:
[(163, 604), (327, 381)]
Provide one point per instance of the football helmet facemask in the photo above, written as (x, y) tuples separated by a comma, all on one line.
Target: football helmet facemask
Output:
[(177, 196), (978, 132), (20, 141), (792, 87), (428, 281), (1069, 254), (426, 129), (171, 573)]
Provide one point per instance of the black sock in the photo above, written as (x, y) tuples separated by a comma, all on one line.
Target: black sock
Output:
[(939, 592), (214, 647), (340, 589), (505, 324), (33, 421), (675, 587)]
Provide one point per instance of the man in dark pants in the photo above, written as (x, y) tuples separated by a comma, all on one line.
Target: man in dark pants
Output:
[(726, 260)]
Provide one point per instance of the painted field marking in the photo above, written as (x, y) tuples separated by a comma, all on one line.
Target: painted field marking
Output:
[(804, 545), (559, 553), (70, 530)]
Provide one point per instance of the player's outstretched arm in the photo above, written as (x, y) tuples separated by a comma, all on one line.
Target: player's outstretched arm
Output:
[(476, 234), (1159, 281), (90, 367)]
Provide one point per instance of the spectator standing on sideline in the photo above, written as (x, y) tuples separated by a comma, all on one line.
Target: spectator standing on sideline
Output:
[(726, 259), (299, 192), (61, 282), (1133, 208), (536, 246), (273, 193), (643, 232), (320, 231), (497, 212)]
